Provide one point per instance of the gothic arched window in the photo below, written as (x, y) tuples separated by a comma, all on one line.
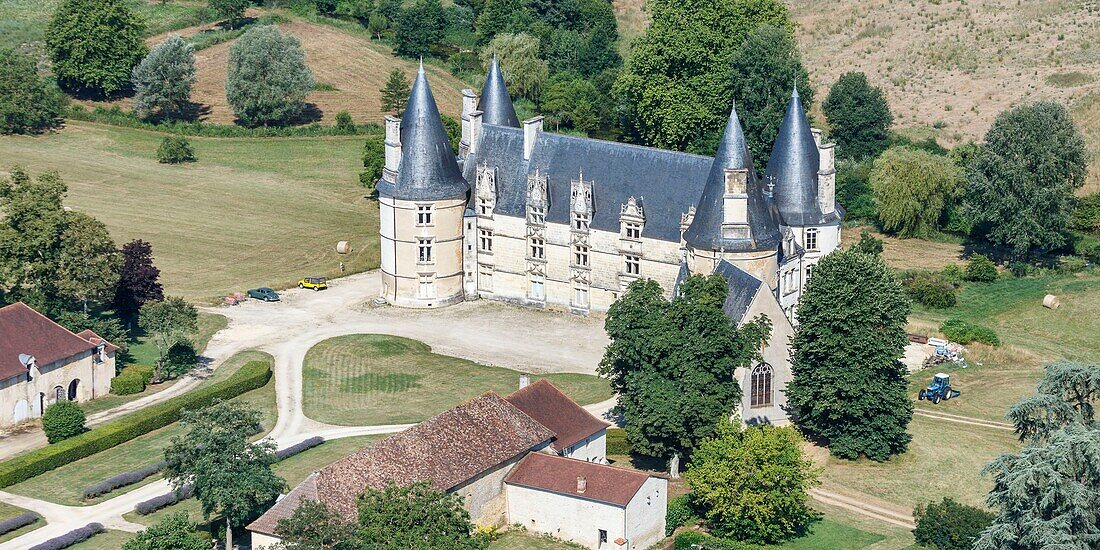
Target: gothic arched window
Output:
[(760, 386)]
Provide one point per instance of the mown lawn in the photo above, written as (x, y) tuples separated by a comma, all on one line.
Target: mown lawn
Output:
[(7, 511), (65, 485), (518, 539), (367, 379), (251, 212), (109, 539)]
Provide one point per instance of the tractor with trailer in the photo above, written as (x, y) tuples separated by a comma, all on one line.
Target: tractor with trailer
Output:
[(939, 388)]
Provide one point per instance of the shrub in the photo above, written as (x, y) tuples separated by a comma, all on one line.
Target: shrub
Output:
[(122, 480), (127, 384), (962, 332), (22, 520), (252, 375), (949, 525), (1071, 264), (144, 371), (175, 150), (299, 447), (181, 357), (679, 512), (374, 160), (28, 103), (981, 269), (695, 540), (63, 420), (953, 274), (868, 244), (344, 122), (1086, 213), (72, 537), (147, 507), (617, 443), (930, 289)]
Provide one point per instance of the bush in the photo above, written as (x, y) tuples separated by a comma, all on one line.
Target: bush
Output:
[(22, 520), (695, 540), (252, 375), (868, 244), (122, 480), (962, 332), (679, 513), (299, 447), (72, 537), (981, 269), (1071, 264), (930, 289), (127, 384), (28, 103), (344, 122), (374, 160), (953, 274), (63, 420), (181, 357), (617, 443), (147, 507), (144, 371), (949, 525), (175, 150), (1086, 213)]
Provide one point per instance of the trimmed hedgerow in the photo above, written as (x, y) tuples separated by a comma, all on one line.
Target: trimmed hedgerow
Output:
[(252, 375), (299, 447), (117, 117), (123, 479), (127, 384), (147, 507), (22, 520), (72, 537), (616, 442), (962, 332)]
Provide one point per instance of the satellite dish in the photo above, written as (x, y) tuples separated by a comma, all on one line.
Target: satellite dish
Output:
[(26, 360)]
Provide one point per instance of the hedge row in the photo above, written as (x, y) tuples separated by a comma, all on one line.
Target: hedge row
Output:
[(616, 442), (962, 332), (252, 375), (147, 507), (117, 117), (132, 379), (123, 479), (22, 520), (72, 537), (299, 447)]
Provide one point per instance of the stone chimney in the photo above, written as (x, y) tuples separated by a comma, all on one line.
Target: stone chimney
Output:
[(735, 204), (582, 484), (531, 129), (524, 380), (393, 149), (817, 136), (475, 130), (469, 105), (826, 178)]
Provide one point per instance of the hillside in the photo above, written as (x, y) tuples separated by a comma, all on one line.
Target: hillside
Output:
[(949, 67)]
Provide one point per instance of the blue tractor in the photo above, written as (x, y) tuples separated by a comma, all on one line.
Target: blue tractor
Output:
[(939, 388)]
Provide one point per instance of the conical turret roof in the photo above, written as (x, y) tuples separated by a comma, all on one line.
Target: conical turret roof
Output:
[(429, 169), (495, 104), (705, 231), (792, 168)]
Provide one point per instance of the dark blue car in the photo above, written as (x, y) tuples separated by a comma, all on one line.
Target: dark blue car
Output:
[(265, 294)]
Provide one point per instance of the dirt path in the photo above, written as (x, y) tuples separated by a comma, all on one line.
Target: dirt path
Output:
[(860, 504), (965, 420)]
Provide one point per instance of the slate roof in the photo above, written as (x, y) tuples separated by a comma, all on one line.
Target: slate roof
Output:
[(26, 331), (606, 484), (447, 449), (667, 183), (705, 231), (742, 288), (792, 170), (429, 169), (555, 410), (495, 103)]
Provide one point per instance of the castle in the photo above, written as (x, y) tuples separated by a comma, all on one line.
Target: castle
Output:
[(547, 220)]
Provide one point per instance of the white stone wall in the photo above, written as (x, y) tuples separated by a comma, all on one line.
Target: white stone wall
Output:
[(645, 515), (777, 354), (591, 449), (479, 493), (261, 541), (569, 518), (21, 398), (403, 274)]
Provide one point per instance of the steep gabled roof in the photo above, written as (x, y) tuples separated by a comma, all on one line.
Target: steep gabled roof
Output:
[(429, 169), (742, 288), (705, 231), (24, 331), (606, 484), (550, 407), (495, 103), (792, 168)]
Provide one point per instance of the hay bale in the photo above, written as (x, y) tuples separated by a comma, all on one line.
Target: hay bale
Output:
[(1051, 301), (343, 247)]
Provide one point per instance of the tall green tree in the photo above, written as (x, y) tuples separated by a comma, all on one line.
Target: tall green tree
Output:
[(89, 263), (162, 81), (912, 189), (765, 67), (29, 103), (314, 526), (169, 321), (396, 92), (754, 484), (1048, 494), (94, 45), (233, 10), (30, 236), (267, 80), (173, 532), (672, 363), (676, 89), (1022, 181), (415, 516), (502, 16), (231, 477), (419, 28), (859, 117), (526, 73), (848, 386)]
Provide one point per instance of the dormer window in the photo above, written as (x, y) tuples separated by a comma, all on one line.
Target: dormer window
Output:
[(580, 222), (536, 215), (631, 219), (632, 230)]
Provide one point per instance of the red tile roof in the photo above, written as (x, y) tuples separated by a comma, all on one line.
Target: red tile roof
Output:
[(25, 331), (447, 449), (95, 339), (555, 410), (556, 474)]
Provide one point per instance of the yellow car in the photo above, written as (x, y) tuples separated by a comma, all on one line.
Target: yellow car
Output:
[(316, 283)]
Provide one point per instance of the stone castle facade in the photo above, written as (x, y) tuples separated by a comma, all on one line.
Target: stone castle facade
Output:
[(546, 220)]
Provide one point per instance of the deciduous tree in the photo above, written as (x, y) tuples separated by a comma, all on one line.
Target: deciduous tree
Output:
[(419, 28), (30, 236), (1022, 181), (267, 80), (173, 532), (912, 188), (396, 92), (139, 279), (29, 104), (168, 321), (859, 117), (94, 45), (88, 264), (233, 10), (162, 81), (849, 388), (526, 72), (314, 526), (415, 516)]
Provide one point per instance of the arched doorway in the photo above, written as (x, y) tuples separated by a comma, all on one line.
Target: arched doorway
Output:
[(72, 389), (58, 394), (41, 403)]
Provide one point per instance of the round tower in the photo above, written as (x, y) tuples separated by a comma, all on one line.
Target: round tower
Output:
[(421, 199)]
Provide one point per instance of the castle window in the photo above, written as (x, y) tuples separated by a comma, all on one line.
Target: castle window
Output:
[(809, 271), (536, 215), (423, 214), (633, 265), (580, 222), (760, 386), (426, 288), (538, 288), (538, 248), (811, 238), (424, 250), (483, 207), (580, 297), (580, 255), (485, 277), (632, 230), (485, 240)]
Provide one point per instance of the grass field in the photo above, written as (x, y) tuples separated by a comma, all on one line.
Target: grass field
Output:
[(65, 485), (23, 22), (369, 379), (908, 253), (7, 511), (250, 212), (107, 540), (523, 540)]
